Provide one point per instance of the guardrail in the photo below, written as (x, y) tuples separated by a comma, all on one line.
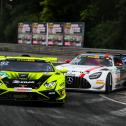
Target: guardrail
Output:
[(52, 50)]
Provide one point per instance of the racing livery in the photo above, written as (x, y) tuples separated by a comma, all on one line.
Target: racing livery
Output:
[(31, 78), (95, 71)]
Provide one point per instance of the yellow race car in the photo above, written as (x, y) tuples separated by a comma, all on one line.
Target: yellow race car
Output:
[(31, 78)]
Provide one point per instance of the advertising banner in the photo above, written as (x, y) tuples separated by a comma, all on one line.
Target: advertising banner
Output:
[(52, 33), (39, 33), (73, 34), (24, 33), (55, 34)]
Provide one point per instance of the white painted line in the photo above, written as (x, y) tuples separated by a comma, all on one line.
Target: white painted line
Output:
[(94, 100), (113, 100), (120, 112)]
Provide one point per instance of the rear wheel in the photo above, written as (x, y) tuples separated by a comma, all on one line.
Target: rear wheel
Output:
[(108, 86)]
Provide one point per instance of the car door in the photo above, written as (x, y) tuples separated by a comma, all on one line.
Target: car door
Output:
[(121, 68)]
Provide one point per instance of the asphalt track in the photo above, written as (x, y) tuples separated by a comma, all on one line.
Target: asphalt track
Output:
[(80, 109)]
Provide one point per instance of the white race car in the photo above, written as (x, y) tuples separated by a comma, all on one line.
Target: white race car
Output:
[(93, 71)]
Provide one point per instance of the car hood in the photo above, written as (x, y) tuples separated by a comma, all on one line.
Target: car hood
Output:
[(79, 68), (24, 79), (23, 75)]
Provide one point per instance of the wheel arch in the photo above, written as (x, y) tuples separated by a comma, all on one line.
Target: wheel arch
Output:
[(109, 83)]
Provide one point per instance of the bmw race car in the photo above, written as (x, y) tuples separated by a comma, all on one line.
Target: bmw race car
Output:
[(95, 71), (31, 78)]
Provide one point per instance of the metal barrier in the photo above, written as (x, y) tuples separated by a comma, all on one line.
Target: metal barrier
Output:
[(52, 50)]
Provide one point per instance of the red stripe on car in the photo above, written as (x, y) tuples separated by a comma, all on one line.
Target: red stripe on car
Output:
[(89, 70)]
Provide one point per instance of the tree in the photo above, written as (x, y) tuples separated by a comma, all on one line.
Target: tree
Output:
[(62, 10), (14, 12), (122, 24), (103, 35)]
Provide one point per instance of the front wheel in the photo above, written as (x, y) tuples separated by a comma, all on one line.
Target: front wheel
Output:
[(108, 86), (60, 103)]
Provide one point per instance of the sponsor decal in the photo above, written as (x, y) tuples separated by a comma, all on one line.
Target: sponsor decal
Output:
[(46, 73), (69, 74), (3, 75), (94, 56), (62, 84), (23, 82), (22, 89), (16, 81), (22, 76), (100, 82), (52, 93), (62, 92), (28, 60), (4, 63)]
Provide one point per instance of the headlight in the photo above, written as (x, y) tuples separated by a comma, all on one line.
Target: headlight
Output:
[(50, 84), (0, 83), (95, 75)]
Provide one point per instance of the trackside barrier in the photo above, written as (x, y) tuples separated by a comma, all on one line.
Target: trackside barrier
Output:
[(52, 50)]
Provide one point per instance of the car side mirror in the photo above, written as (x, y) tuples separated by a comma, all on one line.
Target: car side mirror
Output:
[(67, 61), (63, 70), (118, 64)]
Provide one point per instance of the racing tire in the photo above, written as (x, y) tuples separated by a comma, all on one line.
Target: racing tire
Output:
[(60, 104), (108, 86)]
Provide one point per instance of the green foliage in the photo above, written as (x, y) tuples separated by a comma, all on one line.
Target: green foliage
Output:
[(2, 28), (105, 19), (15, 12), (122, 23), (103, 35), (46, 14), (62, 10), (89, 14)]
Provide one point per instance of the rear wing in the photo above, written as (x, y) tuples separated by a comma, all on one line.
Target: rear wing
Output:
[(46, 58), (2, 57), (50, 59)]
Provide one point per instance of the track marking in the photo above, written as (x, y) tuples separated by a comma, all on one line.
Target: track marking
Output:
[(95, 100), (57, 114), (121, 112), (113, 100)]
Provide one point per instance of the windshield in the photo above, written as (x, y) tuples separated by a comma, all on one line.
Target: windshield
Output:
[(25, 66), (92, 60)]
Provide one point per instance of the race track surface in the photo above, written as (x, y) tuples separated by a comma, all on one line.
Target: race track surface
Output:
[(80, 109)]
